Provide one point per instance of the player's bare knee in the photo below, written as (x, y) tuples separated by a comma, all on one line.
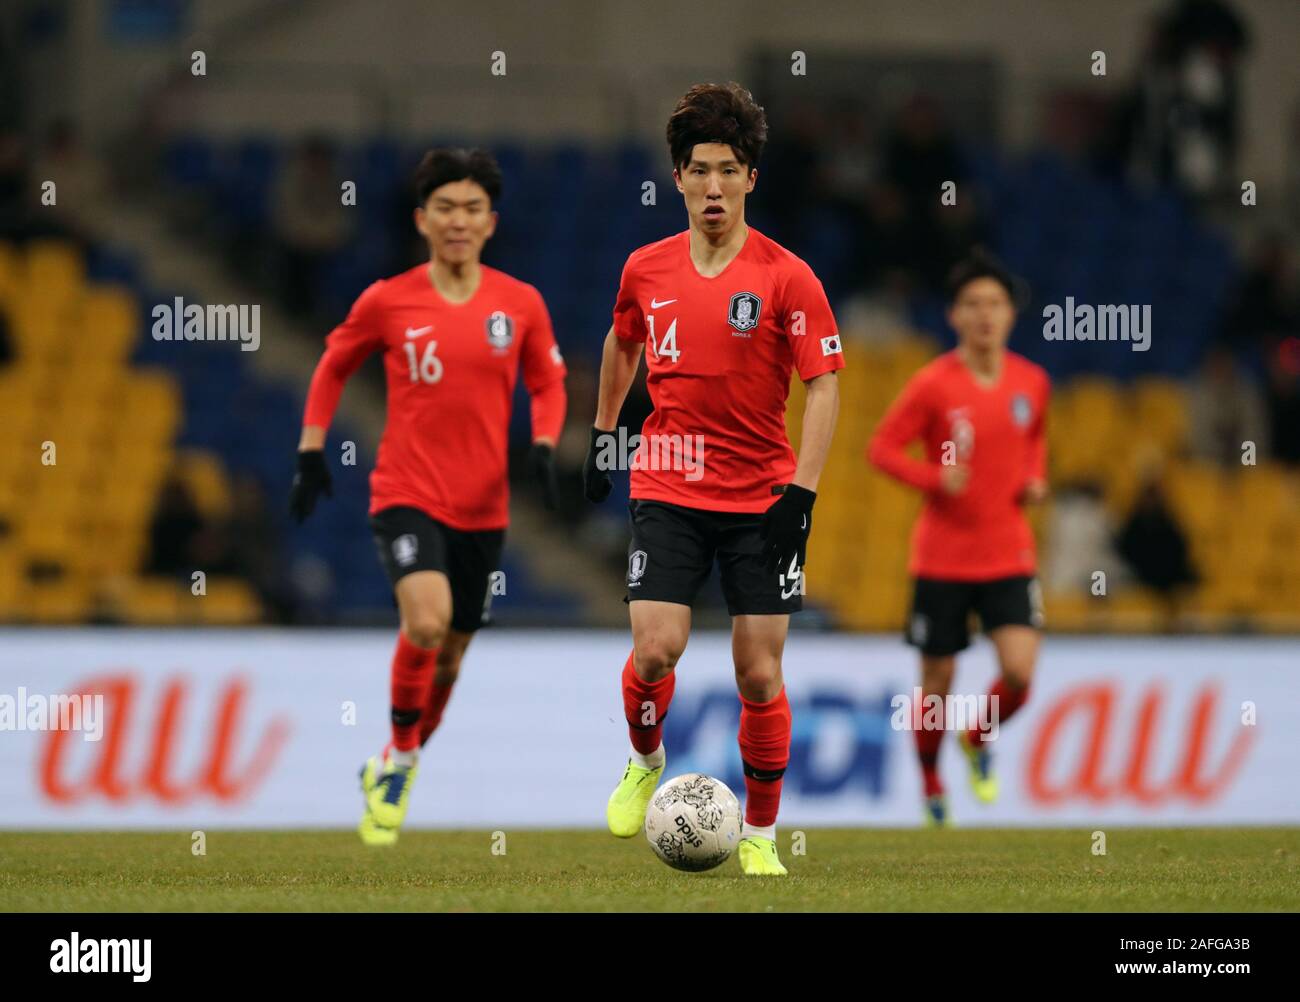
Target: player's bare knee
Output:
[(655, 659), (426, 630), (759, 680)]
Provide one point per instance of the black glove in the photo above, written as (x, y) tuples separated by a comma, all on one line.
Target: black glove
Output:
[(786, 526), (596, 483), (311, 480), (541, 463)]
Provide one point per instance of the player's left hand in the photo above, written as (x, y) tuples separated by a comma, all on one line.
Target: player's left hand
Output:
[(786, 526), (541, 463)]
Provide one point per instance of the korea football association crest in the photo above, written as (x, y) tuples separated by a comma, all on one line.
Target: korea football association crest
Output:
[(500, 331), (636, 562), (744, 311), (1021, 410)]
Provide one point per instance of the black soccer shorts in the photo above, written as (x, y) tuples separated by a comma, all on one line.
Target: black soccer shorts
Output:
[(673, 549), (408, 540), (940, 620)]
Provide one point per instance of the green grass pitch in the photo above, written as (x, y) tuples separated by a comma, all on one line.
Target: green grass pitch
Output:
[(1207, 869)]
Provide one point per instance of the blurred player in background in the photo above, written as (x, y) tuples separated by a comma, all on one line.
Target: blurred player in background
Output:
[(453, 333), (979, 410), (726, 313)]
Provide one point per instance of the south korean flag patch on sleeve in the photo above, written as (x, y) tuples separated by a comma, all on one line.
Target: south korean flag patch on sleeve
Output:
[(831, 345)]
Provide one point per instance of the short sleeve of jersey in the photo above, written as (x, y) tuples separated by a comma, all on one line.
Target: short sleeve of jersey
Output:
[(809, 324), (542, 361), (629, 320)]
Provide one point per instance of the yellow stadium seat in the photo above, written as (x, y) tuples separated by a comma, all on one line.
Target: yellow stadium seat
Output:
[(152, 601), (65, 601), (112, 322), (228, 602), (55, 268)]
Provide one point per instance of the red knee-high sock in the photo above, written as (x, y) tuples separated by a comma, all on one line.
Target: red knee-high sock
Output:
[(432, 715), (412, 675), (927, 751), (764, 752), (645, 704), (1010, 699)]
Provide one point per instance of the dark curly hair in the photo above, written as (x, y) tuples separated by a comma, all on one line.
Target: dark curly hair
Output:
[(717, 113)]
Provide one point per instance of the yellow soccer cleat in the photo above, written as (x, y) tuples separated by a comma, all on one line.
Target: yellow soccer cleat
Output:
[(758, 858), (387, 789), (374, 834), (980, 759), (625, 812)]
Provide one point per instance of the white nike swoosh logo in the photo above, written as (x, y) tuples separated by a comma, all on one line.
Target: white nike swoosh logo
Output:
[(787, 594), (805, 522), (418, 332), (655, 304)]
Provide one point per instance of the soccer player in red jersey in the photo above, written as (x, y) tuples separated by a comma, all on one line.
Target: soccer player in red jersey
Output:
[(453, 333), (979, 410), (723, 314)]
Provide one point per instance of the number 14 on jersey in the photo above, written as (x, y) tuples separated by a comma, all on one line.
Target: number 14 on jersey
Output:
[(668, 347)]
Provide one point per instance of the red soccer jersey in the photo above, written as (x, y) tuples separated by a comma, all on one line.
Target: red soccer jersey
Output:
[(999, 432), (719, 352), (451, 372)]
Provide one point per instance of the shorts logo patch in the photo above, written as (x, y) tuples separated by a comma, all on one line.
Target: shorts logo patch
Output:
[(919, 629), (1036, 617), (793, 578), (405, 549), (500, 330), (636, 567), (744, 311), (1021, 410)]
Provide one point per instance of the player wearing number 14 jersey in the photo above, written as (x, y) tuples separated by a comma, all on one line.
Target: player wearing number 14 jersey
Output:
[(453, 334), (723, 314)]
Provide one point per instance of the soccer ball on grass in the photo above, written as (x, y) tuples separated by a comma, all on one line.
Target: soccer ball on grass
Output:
[(693, 822)]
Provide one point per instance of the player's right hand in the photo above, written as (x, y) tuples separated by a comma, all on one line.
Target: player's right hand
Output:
[(310, 482), (596, 483), (953, 479)]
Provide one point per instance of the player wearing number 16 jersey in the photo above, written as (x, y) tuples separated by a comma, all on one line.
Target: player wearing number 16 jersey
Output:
[(723, 315), (453, 334), (980, 411)]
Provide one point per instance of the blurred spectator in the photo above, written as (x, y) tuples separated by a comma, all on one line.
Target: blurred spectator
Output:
[(1155, 546), (6, 345), (175, 531), (1267, 300), (1180, 124), (311, 222), (1284, 399), (791, 166), (249, 548), (1227, 410), (15, 211), (1082, 541), (921, 154), (79, 182)]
